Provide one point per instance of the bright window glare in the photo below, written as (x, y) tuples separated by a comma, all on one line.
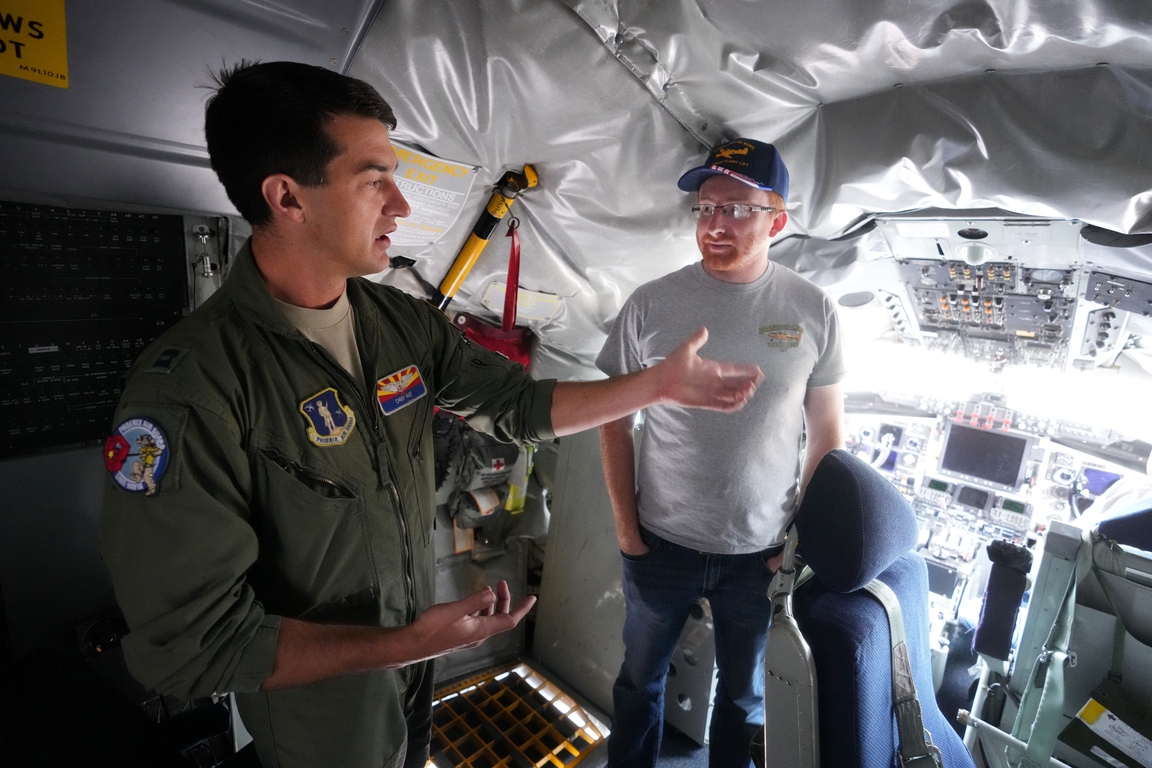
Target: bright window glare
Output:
[(1102, 397)]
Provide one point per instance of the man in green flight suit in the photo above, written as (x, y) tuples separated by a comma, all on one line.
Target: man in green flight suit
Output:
[(282, 548)]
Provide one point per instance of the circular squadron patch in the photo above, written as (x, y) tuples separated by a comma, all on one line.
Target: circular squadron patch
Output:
[(137, 455)]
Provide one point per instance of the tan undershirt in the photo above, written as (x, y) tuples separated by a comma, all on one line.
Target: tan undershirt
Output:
[(333, 328)]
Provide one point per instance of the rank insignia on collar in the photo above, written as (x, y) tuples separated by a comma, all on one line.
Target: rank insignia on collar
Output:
[(136, 454), (400, 389), (330, 422)]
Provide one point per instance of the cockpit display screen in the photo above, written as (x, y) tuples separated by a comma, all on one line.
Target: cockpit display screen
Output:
[(972, 497), (984, 455)]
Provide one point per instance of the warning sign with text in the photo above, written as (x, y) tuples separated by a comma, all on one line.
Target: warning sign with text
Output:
[(33, 45), (436, 189)]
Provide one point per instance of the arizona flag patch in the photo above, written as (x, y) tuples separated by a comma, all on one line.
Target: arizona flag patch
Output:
[(400, 389)]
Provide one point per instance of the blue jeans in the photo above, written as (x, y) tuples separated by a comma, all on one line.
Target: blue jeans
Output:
[(660, 588)]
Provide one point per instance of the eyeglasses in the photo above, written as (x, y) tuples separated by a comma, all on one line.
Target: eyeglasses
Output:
[(730, 211)]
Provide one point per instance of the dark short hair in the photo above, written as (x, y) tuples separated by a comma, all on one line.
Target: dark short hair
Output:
[(270, 118)]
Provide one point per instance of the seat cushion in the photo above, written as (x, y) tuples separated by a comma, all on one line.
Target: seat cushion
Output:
[(852, 650), (852, 523)]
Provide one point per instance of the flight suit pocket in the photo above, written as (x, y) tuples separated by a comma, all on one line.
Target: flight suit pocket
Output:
[(313, 539)]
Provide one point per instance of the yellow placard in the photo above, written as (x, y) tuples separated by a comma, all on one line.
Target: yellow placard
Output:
[(33, 44), (1091, 712)]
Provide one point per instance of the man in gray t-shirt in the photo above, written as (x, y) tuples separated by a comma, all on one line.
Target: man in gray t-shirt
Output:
[(703, 512)]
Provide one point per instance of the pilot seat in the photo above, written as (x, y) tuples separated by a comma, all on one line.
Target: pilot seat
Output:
[(848, 672)]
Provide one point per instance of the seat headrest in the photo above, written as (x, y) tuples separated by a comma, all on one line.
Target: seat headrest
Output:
[(1130, 524), (852, 523)]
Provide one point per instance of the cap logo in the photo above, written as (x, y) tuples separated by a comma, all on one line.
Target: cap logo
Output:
[(730, 151)]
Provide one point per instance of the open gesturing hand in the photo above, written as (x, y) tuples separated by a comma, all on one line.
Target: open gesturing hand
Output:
[(448, 627)]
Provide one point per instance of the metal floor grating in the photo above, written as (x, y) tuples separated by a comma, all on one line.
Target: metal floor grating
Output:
[(510, 716)]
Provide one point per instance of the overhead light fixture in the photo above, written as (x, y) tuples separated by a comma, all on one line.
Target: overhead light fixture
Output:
[(972, 233), (857, 299)]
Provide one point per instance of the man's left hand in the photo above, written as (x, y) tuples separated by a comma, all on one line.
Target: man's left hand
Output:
[(447, 627)]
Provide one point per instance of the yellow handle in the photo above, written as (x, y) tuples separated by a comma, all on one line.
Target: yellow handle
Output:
[(497, 208), (463, 265)]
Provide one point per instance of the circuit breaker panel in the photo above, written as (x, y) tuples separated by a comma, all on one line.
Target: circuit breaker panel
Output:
[(1008, 290), (84, 292), (995, 312)]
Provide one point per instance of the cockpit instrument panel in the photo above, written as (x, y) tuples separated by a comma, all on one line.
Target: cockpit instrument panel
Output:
[(979, 471)]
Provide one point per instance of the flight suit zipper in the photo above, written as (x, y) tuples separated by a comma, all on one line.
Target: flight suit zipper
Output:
[(323, 485), (386, 471)]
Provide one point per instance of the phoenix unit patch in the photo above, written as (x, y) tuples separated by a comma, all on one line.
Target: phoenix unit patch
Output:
[(330, 422)]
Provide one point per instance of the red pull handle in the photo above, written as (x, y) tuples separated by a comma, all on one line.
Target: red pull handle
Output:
[(512, 289)]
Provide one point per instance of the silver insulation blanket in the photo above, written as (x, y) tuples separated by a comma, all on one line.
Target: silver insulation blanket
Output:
[(1035, 108)]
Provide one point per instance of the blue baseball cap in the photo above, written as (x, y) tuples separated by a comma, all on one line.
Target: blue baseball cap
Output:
[(753, 162)]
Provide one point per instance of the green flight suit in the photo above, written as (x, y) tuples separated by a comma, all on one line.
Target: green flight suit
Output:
[(262, 508)]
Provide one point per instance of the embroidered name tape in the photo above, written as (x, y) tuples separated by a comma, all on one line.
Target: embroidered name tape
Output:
[(136, 455), (400, 389), (330, 422)]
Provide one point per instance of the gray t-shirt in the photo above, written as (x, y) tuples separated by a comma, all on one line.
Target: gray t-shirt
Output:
[(727, 482)]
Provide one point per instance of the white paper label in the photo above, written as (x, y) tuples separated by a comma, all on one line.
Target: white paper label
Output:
[(1027, 234), (530, 305), (486, 500), (1116, 732), (463, 539), (435, 189), (1101, 754)]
